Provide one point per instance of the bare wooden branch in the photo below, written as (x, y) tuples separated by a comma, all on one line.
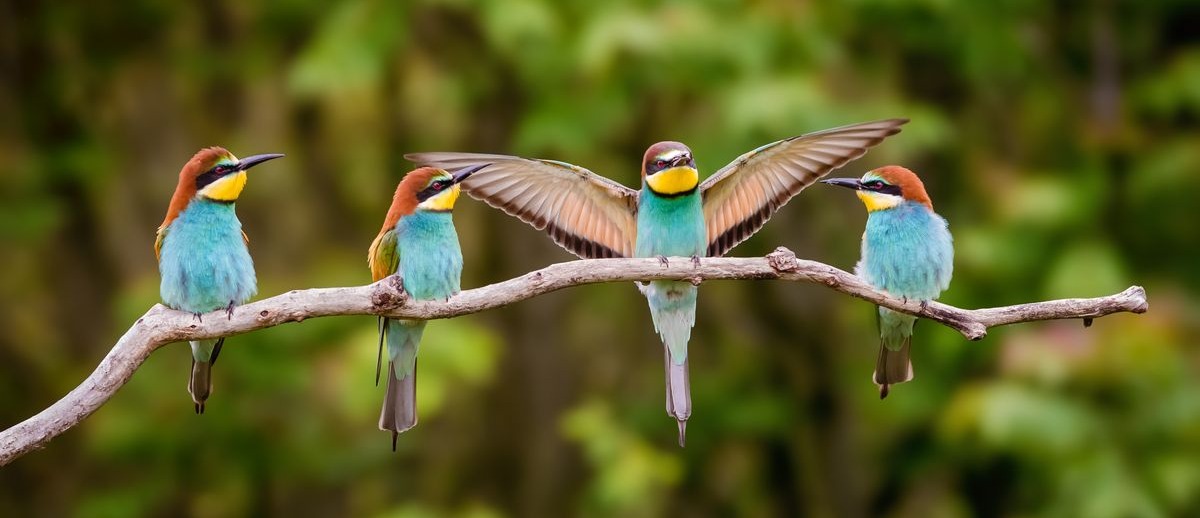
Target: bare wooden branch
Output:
[(161, 326)]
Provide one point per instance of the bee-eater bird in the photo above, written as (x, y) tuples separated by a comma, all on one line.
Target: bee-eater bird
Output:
[(419, 242), (201, 250), (906, 252), (672, 215)]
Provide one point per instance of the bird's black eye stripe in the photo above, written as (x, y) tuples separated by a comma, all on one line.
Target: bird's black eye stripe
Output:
[(882, 187), (212, 175), (434, 188), (658, 164)]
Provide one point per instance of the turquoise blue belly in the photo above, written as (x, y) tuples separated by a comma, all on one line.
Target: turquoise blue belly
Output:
[(672, 227), (204, 262), (907, 251), (430, 258), (431, 266)]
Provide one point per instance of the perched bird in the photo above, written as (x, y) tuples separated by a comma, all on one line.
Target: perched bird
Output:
[(672, 215), (419, 242), (906, 252), (201, 250)]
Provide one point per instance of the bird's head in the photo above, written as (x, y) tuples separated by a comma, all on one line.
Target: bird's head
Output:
[(429, 189), (886, 187), (212, 173), (669, 169), (216, 174)]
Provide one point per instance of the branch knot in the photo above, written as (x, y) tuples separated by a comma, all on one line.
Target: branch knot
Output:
[(388, 294), (782, 260)]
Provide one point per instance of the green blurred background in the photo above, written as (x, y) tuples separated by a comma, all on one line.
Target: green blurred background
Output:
[(1060, 139)]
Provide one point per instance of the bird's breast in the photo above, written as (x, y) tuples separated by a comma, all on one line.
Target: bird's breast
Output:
[(907, 251), (672, 227), (204, 262), (430, 257)]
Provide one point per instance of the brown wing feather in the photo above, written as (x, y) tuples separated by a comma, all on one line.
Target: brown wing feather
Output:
[(589, 215), (742, 196), (382, 257)]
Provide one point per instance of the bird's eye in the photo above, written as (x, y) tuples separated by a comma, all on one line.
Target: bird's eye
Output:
[(661, 163), (437, 186), (875, 185)]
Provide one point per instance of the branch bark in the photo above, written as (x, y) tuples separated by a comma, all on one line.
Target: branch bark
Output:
[(161, 326)]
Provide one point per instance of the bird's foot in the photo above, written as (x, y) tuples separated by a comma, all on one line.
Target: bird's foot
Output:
[(196, 317), (904, 298), (229, 310), (924, 305), (662, 259), (695, 261)]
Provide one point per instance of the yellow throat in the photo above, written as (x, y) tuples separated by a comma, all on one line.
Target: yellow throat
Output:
[(227, 188), (877, 200), (674, 180), (442, 201)]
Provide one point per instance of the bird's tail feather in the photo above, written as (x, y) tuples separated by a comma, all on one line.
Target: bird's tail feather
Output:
[(379, 353), (893, 366), (679, 393), (399, 404), (673, 309), (204, 356)]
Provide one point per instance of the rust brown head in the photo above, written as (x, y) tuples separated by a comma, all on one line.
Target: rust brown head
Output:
[(426, 188), (886, 187), (212, 173), (669, 169), (911, 187)]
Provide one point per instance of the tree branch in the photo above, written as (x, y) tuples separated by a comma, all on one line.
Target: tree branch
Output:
[(161, 326)]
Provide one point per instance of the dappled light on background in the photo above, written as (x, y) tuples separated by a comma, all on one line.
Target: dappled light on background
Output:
[(1059, 141)]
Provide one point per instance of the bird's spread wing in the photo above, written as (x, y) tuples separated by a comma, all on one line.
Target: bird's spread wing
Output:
[(743, 195), (589, 215), (383, 257)]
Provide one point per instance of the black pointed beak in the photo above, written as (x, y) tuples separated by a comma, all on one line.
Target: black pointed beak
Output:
[(682, 159), (849, 183), (251, 161), (463, 173)]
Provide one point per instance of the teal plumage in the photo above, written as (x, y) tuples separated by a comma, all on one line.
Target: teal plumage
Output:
[(431, 268), (672, 227), (205, 266), (430, 257), (907, 251), (204, 262), (418, 241)]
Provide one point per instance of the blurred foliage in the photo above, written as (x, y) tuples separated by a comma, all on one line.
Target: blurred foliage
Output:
[(1060, 139)]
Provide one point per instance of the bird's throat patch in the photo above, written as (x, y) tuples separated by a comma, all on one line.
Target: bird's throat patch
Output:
[(878, 201), (227, 188), (442, 202), (675, 180)]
